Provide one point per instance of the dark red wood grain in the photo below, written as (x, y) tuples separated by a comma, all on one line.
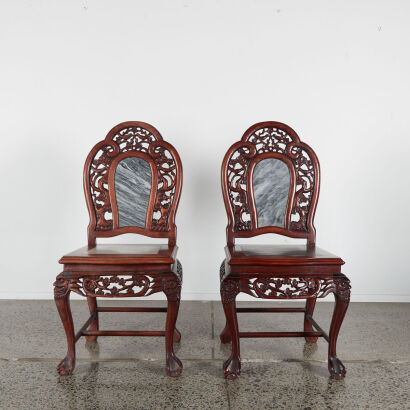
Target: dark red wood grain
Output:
[(277, 272), (117, 270)]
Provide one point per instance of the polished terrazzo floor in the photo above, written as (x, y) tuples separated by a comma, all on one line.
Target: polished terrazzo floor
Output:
[(128, 372)]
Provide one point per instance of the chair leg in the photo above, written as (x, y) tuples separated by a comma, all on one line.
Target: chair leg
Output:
[(342, 298), (229, 291), (172, 289), (307, 326), (225, 336), (92, 305), (62, 300), (177, 336)]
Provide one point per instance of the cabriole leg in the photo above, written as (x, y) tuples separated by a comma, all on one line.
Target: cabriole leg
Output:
[(342, 298), (92, 305), (225, 336), (229, 291), (172, 290), (177, 336), (307, 326), (62, 299)]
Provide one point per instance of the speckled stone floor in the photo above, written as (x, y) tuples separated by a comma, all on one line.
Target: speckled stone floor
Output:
[(128, 372)]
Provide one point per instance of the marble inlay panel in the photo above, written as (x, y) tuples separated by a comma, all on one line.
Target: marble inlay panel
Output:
[(271, 184), (132, 190)]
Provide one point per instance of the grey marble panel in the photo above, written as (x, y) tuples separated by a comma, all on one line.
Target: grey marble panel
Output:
[(132, 190), (271, 183)]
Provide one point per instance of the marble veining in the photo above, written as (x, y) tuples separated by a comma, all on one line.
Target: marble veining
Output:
[(132, 190), (271, 183)]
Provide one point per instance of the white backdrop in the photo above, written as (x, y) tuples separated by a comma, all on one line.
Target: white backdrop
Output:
[(202, 72)]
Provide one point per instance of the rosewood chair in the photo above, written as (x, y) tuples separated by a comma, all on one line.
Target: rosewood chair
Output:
[(132, 184), (270, 184)]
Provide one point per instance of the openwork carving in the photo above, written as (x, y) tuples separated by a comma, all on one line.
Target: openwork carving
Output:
[(222, 271), (300, 287), (339, 285), (285, 287), (119, 286), (111, 286), (264, 140), (133, 138), (179, 272)]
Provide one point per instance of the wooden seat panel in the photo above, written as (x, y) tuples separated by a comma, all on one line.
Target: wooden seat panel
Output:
[(280, 255), (122, 254)]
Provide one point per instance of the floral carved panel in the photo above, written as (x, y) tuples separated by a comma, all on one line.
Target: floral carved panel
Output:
[(300, 287), (118, 286), (132, 138), (270, 140)]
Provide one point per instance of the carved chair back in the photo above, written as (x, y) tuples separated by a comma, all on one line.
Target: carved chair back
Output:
[(132, 184), (270, 184)]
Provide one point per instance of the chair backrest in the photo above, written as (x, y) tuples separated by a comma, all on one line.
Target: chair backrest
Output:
[(270, 184), (132, 184)]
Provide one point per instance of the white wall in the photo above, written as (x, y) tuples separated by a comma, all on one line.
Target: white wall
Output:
[(202, 72)]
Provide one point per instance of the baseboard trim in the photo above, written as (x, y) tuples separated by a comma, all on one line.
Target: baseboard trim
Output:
[(192, 295)]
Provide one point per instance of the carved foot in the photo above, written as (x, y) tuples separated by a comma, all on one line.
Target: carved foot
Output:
[(66, 366), (177, 336), (174, 366), (232, 368), (336, 368), (311, 339), (225, 336)]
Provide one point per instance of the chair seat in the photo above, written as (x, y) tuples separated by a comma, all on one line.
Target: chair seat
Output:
[(283, 255), (123, 254)]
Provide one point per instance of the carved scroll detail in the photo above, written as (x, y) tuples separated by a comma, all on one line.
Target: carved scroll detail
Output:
[(109, 286), (61, 287), (229, 290), (133, 139), (172, 288), (179, 271), (339, 285), (222, 271), (264, 140), (120, 285), (289, 288), (301, 287)]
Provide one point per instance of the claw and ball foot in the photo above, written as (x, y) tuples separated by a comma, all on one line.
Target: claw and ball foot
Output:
[(342, 298), (232, 368), (174, 366), (62, 300), (66, 366), (172, 290), (336, 368), (229, 291)]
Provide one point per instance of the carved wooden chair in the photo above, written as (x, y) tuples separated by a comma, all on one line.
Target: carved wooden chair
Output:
[(132, 184), (270, 184)]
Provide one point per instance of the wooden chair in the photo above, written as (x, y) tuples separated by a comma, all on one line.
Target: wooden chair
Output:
[(132, 184), (270, 184)]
